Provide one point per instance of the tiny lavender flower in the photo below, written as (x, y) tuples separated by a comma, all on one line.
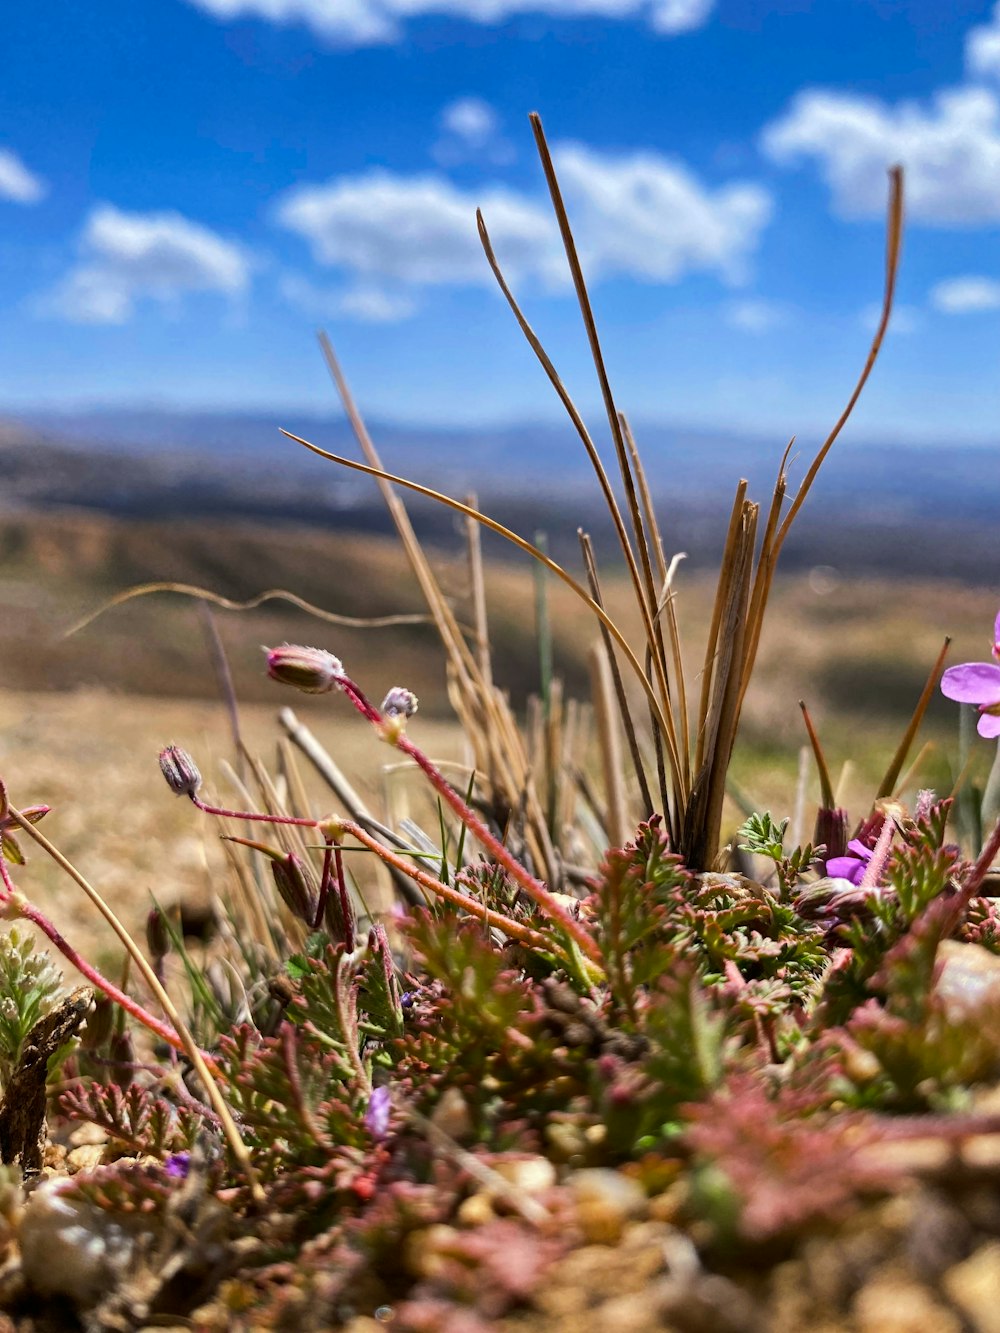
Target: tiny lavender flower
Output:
[(850, 867), (312, 670), (978, 683), (377, 1115)]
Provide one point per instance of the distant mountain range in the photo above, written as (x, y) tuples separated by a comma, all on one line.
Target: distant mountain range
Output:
[(892, 506)]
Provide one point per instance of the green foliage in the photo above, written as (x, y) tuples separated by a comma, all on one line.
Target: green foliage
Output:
[(762, 836), (636, 888), (30, 988), (135, 1118)]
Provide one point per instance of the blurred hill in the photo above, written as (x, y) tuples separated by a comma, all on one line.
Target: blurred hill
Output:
[(889, 508)]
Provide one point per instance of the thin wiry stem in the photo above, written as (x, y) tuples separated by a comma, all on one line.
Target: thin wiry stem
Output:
[(621, 531), (892, 773), (191, 1048), (616, 675), (648, 601), (227, 604), (510, 536), (485, 714)]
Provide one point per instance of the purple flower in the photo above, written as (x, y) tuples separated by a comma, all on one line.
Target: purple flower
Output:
[(377, 1115), (850, 867), (978, 683), (178, 1164)]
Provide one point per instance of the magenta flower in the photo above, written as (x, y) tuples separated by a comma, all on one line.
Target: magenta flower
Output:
[(978, 683), (850, 867)]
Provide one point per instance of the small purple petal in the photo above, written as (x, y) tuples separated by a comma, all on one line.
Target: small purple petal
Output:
[(377, 1115), (988, 725), (178, 1164), (996, 633), (859, 849), (846, 867), (972, 683)]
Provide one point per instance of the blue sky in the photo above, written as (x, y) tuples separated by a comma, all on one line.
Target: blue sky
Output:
[(188, 188)]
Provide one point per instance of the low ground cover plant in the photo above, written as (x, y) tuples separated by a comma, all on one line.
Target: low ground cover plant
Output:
[(608, 1063)]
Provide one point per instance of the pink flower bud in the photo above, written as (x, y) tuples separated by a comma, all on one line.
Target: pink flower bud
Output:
[(399, 702), (180, 771), (312, 670)]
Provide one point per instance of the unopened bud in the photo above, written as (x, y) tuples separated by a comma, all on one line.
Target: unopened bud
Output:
[(157, 935), (294, 882), (99, 1023), (312, 670), (831, 832), (399, 702), (180, 771)]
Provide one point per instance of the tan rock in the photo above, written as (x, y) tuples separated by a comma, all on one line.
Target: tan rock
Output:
[(894, 1303), (974, 1286)]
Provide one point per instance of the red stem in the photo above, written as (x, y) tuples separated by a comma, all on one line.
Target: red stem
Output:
[(524, 934), (533, 887), (14, 903)]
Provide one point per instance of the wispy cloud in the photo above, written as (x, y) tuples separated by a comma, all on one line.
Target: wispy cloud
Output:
[(368, 304), (470, 131), (369, 22), (950, 149), (982, 48), (966, 295), (639, 216), (17, 183), (128, 257), (757, 316)]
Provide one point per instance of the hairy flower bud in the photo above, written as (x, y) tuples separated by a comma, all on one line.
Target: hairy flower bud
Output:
[(180, 771), (399, 702), (312, 670), (295, 884)]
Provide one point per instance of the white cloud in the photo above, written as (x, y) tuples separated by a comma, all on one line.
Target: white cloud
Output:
[(649, 217), (471, 131), (965, 295), (17, 183), (470, 119), (367, 22), (416, 229), (756, 316), (950, 149), (640, 216), (127, 257), (368, 304), (675, 16), (982, 48)]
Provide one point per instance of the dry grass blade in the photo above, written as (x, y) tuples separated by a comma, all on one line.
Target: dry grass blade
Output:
[(703, 816), (710, 666), (483, 712), (616, 821), (227, 604), (888, 783), (664, 601), (769, 557), (516, 540), (825, 785), (616, 676), (648, 601)]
